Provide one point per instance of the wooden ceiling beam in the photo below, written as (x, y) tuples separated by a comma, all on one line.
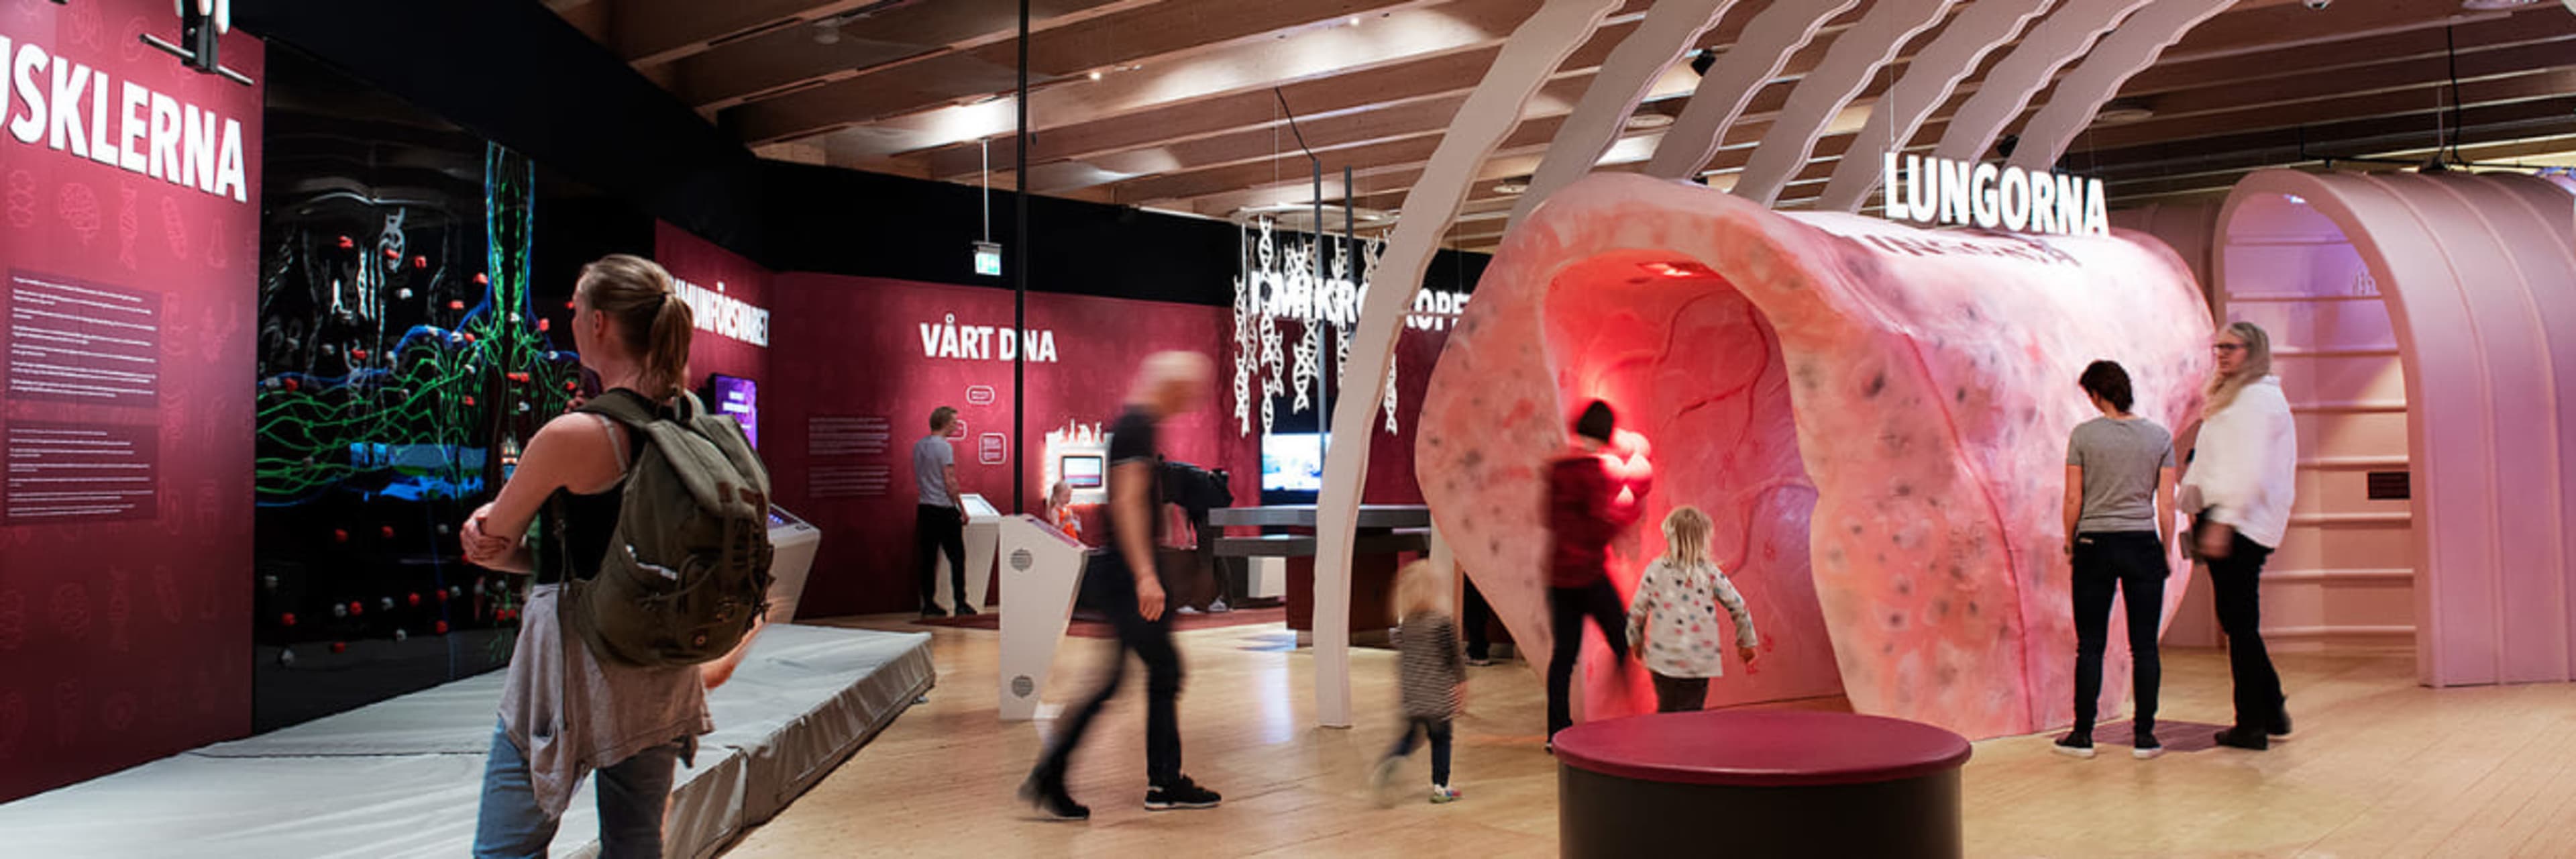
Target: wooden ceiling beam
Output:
[(1187, 51), (653, 32), (792, 59)]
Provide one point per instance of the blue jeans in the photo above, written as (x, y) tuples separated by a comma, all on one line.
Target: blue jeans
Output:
[(632, 795)]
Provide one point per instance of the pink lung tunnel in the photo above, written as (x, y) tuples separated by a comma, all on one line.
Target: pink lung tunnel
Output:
[(1875, 416)]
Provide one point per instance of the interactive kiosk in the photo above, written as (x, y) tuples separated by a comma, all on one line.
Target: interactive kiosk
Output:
[(983, 533), (794, 542), (1041, 570)]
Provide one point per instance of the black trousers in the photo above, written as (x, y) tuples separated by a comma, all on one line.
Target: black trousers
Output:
[(2134, 563), (937, 530), (2236, 585), (1680, 694), (1437, 730), (1108, 587), (1474, 616), (1569, 608)]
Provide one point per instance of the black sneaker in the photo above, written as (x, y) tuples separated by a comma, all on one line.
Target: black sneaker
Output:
[(2248, 739), (1051, 800), (932, 611), (2075, 746), (965, 610), (2146, 747), (1181, 793), (2280, 727)]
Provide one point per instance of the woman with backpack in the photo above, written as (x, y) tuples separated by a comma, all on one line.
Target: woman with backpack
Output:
[(565, 711)]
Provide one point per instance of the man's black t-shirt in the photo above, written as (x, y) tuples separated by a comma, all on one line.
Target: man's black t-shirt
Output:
[(1132, 440)]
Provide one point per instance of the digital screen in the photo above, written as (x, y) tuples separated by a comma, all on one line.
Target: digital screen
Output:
[(1081, 472), (1292, 462), (739, 397)]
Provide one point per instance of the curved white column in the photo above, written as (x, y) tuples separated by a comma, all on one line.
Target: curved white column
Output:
[(2059, 39), (1935, 73), (1669, 29), (2128, 51), (1856, 55), (1775, 33), (1533, 53)]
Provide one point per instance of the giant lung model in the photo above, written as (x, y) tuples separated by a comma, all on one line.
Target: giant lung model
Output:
[(1876, 416)]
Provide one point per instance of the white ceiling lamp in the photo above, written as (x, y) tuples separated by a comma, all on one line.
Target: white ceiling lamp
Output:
[(2123, 110), (1644, 121), (1514, 186)]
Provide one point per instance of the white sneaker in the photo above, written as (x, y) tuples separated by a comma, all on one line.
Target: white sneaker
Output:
[(1442, 794)]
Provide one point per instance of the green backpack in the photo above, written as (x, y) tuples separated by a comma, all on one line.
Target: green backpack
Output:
[(687, 571)]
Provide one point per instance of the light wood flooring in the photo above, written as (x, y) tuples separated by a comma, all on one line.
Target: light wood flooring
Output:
[(2380, 768)]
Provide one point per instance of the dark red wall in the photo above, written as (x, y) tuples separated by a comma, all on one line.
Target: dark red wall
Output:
[(701, 262), (852, 347), (125, 640)]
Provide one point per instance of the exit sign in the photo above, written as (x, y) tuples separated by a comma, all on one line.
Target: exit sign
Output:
[(988, 259)]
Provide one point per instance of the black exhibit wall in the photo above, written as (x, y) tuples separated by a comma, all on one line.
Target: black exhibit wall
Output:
[(516, 74)]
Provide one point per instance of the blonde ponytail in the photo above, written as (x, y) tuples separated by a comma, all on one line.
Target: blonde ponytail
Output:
[(650, 317)]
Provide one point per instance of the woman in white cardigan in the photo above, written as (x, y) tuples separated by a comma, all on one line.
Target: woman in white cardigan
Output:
[(2243, 477)]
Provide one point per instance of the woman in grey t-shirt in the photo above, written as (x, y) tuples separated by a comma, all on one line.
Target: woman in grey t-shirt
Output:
[(2119, 501)]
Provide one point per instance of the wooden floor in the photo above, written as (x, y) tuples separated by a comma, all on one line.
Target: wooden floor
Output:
[(2380, 768)]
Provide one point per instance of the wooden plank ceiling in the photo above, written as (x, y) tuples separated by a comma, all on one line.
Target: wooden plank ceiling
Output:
[(1183, 105)]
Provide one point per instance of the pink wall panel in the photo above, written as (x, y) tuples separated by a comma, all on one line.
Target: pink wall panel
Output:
[(2474, 278)]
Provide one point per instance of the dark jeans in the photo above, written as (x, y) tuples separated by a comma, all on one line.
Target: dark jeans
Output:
[(2134, 563), (1474, 616), (938, 530), (1108, 587), (1680, 694), (2236, 584), (1569, 608), (1438, 731)]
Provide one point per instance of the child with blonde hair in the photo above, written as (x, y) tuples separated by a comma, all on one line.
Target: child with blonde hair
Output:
[(1674, 616), (1433, 673)]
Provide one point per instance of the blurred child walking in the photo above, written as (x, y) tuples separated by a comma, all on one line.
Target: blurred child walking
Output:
[(1434, 677)]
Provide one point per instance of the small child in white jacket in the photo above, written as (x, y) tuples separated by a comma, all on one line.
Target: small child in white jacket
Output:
[(1673, 620)]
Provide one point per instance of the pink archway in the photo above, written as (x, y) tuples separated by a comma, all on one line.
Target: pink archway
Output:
[(2475, 275)]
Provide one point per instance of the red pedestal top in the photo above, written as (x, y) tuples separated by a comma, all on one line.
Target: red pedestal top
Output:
[(1760, 749)]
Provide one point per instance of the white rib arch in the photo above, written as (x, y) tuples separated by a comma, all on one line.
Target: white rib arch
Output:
[(2062, 37), (2136, 45), (1856, 55), (1669, 29), (1928, 82), (1533, 53), (1778, 31)]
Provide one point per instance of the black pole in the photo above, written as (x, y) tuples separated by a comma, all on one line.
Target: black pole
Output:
[(1351, 264), (1323, 420), (1020, 282)]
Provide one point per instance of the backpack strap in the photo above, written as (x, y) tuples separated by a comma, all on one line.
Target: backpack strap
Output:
[(625, 407)]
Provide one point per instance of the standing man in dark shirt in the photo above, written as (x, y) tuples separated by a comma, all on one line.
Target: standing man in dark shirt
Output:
[(1583, 515), (1121, 582)]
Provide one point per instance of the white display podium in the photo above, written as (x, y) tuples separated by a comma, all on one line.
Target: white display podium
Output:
[(1041, 570), (794, 542), (983, 536)]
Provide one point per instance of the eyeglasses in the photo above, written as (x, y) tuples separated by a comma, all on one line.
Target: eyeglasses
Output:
[(2224, 348)]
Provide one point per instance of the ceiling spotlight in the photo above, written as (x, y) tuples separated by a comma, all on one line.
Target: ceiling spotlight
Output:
[(2123, 110), (827, 31), (1355, 20), (1513, 186), (1702, 61), (1095, 74), (1643, 121)]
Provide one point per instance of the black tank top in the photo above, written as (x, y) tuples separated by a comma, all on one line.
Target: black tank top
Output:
[(573, 532)]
